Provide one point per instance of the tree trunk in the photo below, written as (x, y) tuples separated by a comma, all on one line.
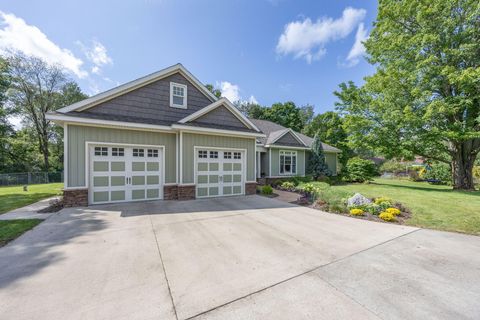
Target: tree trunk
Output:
[(463, 161)]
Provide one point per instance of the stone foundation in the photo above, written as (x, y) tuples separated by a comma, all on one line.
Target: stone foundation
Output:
[(75, 198), (186, 192), (270, 181), (250, 188), (170, 192)]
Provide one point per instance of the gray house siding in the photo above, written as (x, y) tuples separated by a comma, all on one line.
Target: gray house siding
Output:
[(153, 101), (220, 116), (288, 140)]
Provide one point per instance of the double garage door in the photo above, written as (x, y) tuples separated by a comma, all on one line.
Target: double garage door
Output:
[(125, 173), (219, 172)]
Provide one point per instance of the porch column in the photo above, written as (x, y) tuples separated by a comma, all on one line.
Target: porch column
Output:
[(259, 164)]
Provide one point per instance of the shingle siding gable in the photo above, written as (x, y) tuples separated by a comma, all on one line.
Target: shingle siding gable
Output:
[(153, 101), (220, 116), (288, 140)]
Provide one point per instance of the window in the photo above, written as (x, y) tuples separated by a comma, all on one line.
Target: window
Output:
[(117, 152), (288, 162), (202, 154), (213, 154), (178, 95), (237, 155), (152, 153), (227, 155), (138, 152), (101, 151)]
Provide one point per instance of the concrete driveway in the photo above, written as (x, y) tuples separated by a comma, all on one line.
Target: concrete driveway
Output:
[(235, 258)]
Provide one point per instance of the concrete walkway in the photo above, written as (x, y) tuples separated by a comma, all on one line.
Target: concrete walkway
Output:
[(235, 258), (30, 211)]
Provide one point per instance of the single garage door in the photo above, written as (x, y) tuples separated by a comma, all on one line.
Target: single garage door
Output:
[(125, 173), (219, 172)]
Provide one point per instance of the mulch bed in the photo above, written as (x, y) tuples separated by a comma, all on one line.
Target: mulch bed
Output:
[(404, 215)]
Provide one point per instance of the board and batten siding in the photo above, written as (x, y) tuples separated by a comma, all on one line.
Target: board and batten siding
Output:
[(275, 162), (190, 141), (78, 135)]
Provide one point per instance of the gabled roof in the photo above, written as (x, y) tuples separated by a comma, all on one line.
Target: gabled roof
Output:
[(135, 84), (221, 102), (274, 131), (277, 135)]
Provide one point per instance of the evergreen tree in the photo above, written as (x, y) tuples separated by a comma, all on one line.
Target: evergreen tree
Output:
[(317, 163)]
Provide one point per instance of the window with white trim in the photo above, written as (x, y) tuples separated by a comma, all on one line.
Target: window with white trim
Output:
[(101, 151), (227, 155), (288, 162), (214, 154), (202, 154), (152, 153), (138, 152), (118, 152), (178, 95), (237, 155)]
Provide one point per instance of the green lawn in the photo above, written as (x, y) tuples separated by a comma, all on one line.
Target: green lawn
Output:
[(436, 207), (12, 229), (14, 197)]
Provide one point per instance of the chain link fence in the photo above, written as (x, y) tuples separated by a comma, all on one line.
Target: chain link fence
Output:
[(14, 179)]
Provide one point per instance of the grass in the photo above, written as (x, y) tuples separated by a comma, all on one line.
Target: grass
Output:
[(14, 197), (432, 206), (11, 229)]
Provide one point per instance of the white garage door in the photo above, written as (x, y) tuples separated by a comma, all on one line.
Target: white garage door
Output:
[(219, 172), (125, 173)]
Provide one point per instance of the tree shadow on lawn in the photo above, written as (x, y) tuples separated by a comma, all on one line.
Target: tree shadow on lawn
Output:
[(12, 201), (36, 249), (470, 193)]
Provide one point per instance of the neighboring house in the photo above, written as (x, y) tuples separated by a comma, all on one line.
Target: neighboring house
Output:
[(166, 136), (284, 152)]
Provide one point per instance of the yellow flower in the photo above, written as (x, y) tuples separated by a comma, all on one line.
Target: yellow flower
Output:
[(387, 216), (356, 212), (393, 211)]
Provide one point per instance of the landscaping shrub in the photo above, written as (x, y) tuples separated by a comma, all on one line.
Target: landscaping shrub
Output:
[(288, 185), (267, 190), (393, 211), (439, 173), (359, 170), (373, 208), (356, 212), (387, 216)]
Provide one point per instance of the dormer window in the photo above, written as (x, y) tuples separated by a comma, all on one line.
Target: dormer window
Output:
[(178, 95)]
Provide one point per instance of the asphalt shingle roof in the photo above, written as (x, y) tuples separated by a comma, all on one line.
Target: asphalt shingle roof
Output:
[(273, 130)]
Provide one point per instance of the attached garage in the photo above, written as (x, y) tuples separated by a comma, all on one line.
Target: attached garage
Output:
[(120, 173), (219, 172)]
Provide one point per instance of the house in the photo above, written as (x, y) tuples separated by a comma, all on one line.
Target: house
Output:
[(166, 136)]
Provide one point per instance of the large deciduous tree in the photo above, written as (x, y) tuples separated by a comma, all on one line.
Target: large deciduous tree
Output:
[(424, 98), (35, 89)]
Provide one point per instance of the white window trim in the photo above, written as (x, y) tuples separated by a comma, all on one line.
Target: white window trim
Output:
[(292, 153), (181, 106)]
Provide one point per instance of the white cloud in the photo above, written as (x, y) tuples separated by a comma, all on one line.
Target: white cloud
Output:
[(307, 39), (230, 91), (17, 35), (97, 54), (358, 49)]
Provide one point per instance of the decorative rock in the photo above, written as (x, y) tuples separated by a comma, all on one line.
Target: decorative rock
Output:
[(358, 200)]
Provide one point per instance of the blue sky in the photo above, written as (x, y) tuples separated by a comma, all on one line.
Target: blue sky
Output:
[(265, 51)]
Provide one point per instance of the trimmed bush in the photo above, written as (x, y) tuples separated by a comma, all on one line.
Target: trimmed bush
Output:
[(288, 185), (267, 190), (359, 170), (439, 173)]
